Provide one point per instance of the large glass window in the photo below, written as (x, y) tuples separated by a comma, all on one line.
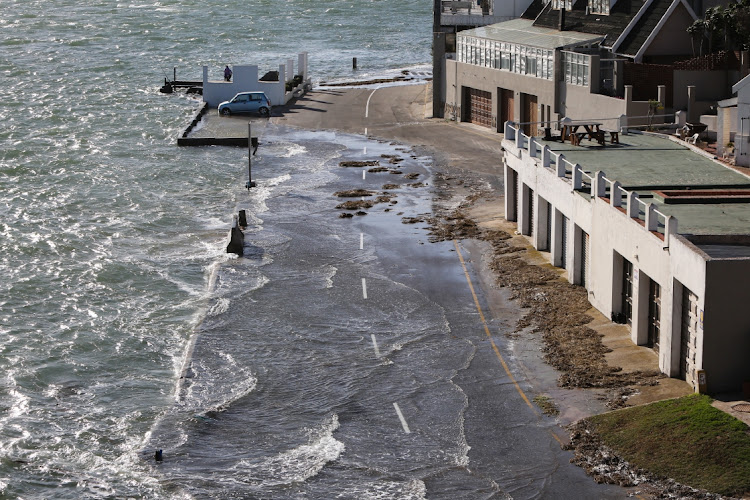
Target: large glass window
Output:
[(599, 7), (576, 68), (557, 4), (506, 56)]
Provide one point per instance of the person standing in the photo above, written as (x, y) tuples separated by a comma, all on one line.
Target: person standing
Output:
[(227, 74)]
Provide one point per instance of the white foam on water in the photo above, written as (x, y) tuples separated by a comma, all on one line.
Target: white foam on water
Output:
[(294, 150), (329, 273), (413, 489), (297, 464), (216, 386), (219, 307)]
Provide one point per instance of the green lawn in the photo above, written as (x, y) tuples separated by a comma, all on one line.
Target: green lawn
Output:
[(685, 439)]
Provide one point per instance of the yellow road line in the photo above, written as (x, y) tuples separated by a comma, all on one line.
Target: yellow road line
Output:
[(492, 342), (487, 330)]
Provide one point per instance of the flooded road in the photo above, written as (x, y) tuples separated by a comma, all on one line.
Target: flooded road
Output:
[(351, 357)]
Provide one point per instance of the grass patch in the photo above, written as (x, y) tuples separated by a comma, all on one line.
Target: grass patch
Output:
[(685, 439), (547, 406)]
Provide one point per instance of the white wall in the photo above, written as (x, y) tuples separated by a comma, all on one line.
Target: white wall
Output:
[(245, 79), (671, 261), (578, 103)]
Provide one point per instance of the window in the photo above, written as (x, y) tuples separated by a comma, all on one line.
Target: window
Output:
[(599, 7), (557, 4), (576, 68), (505, 57), (520, 59)]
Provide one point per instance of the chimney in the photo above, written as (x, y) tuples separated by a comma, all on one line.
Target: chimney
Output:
[(561, 27)]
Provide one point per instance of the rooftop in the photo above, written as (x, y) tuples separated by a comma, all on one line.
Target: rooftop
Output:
[(523, 32), (612, 25), (648, 163)]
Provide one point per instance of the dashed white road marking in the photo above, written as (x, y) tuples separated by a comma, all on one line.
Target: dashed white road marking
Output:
[(361, 241), (401, 417), (365, 152), (363, 174), (364, 288), (375, 345), (365, 133)]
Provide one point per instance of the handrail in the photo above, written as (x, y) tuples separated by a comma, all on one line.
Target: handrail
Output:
[(654, 219)]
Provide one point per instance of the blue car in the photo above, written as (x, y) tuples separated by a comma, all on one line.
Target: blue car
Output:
[(246, 102)]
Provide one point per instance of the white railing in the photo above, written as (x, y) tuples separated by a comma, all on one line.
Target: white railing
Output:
[(597, 185)]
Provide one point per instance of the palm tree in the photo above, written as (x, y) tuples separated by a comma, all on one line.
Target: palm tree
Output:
[(697, 31), (738, 24)]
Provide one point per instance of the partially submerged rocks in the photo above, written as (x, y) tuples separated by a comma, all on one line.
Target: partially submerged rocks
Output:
[(354, 163), (355, 205), (354, 193)]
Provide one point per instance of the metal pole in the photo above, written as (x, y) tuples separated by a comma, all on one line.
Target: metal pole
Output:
[(250, 183), (174, 72)]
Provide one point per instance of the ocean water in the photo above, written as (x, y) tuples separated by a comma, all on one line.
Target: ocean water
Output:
[(120, 310)]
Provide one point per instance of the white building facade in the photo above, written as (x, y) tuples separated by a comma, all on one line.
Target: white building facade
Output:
[(684, 295)]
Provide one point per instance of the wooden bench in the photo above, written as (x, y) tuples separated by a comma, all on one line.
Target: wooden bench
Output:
[(614, 136)]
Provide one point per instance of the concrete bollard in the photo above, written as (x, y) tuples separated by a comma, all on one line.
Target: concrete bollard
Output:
[(236, 240), (243, 219), (250, 152)]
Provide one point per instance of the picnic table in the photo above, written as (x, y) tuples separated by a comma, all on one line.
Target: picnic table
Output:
[(591, 129)]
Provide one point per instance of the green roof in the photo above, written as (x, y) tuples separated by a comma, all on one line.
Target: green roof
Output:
[(646, 163), (522, 32)]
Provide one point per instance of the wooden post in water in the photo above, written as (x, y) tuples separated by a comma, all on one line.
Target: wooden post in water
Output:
[(354, 63), (250, 183)]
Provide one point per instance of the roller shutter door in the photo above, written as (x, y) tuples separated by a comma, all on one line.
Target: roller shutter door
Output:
[(584, 259), (564, 244), (689, 336), (479, 107), (627, 290)]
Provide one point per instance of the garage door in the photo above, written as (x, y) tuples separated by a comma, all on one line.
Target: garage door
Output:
[(584, 259), (689, 335), (564, 243), (479, 106), (654, 314), (628, 280)]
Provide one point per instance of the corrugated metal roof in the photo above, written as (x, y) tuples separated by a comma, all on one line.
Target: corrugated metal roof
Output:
[(523, 32)]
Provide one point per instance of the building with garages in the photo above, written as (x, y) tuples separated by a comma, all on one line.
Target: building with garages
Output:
[(570, 59), (657, 233)]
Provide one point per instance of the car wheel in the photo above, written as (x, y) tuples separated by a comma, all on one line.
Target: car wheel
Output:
[(264, 111), (226, 112)]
